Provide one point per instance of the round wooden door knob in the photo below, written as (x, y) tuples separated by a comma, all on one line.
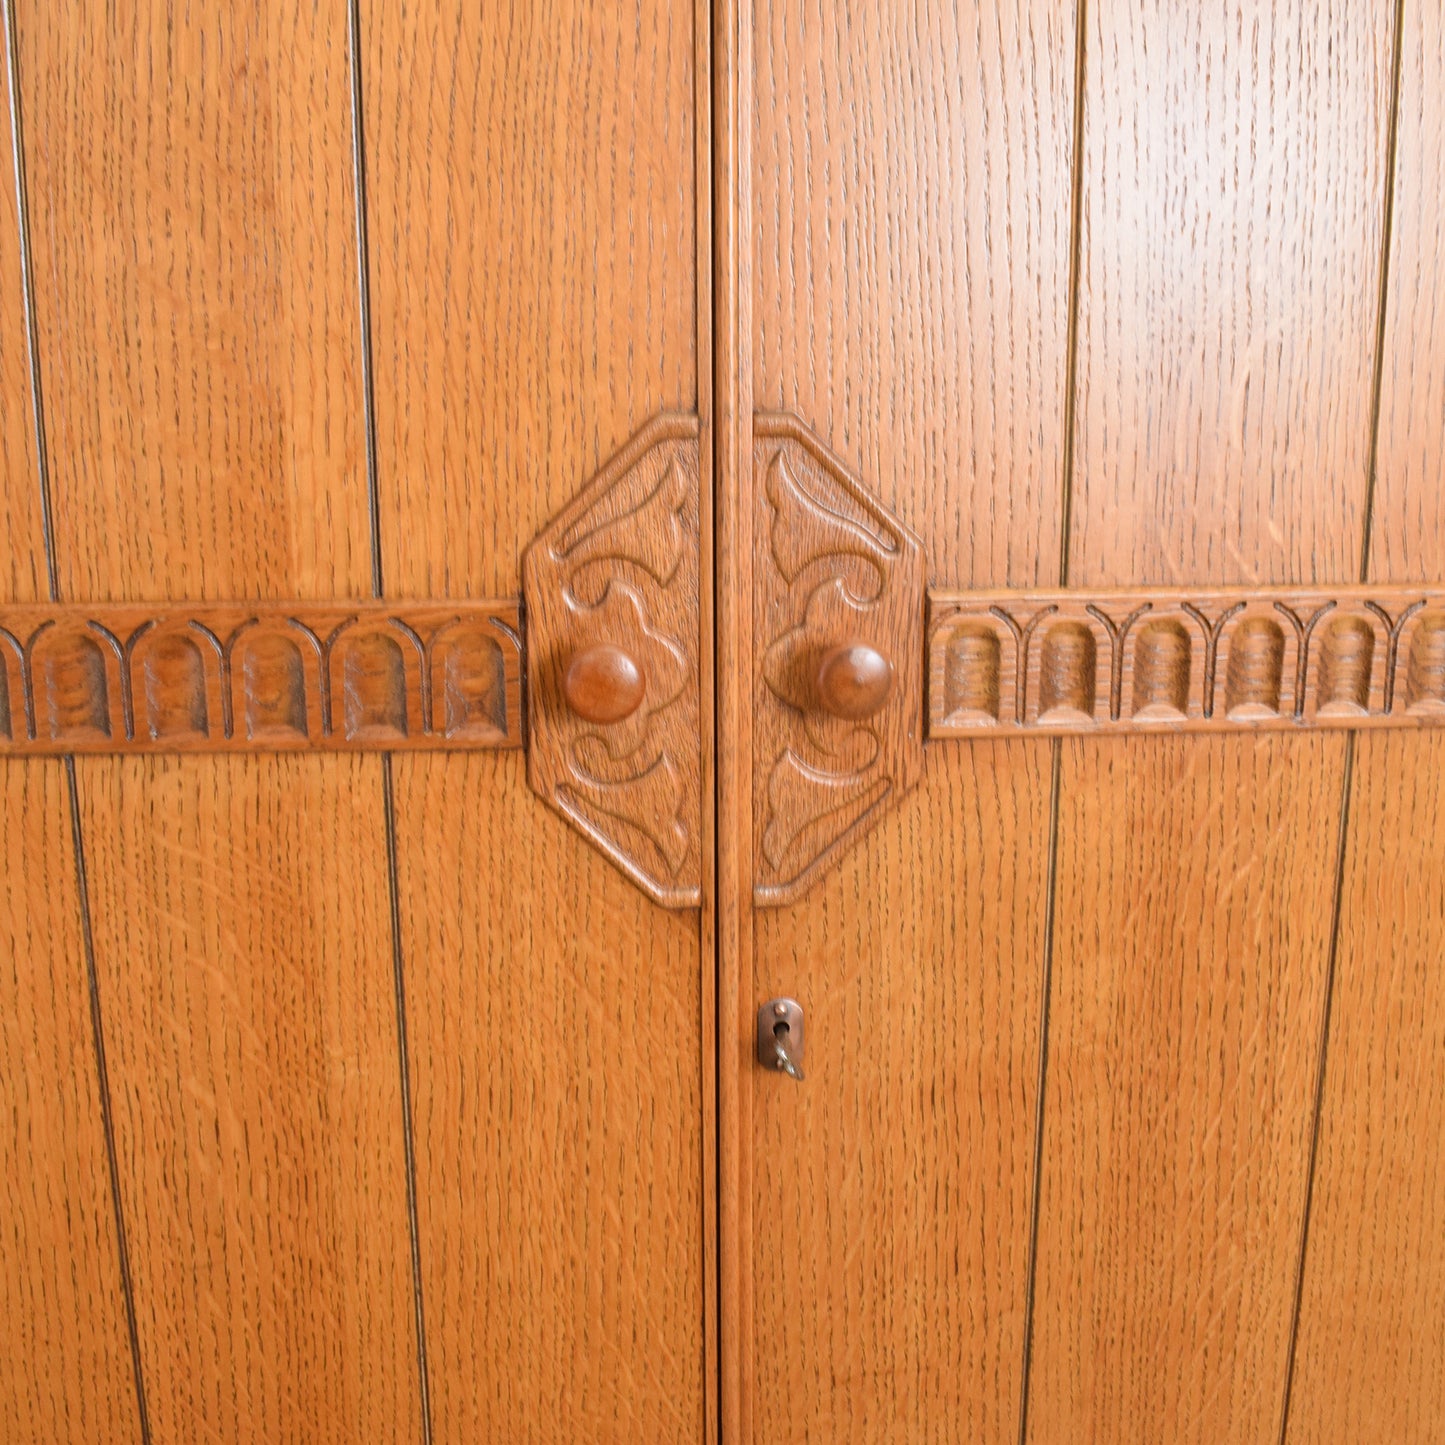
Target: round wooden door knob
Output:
[(854, 680), (603, 683)]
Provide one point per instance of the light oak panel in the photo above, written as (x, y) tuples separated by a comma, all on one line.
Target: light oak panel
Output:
[(910, 234), (532, 229), (244, 960), (195, 268), (891, 1189), (533, 243), (1232, 179), (191, 203), (1233, 199), (1189, 969), (554, 1023), (1373, 1308), (65, 1360)]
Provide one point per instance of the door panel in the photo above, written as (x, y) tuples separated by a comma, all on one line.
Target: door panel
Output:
[(300, 958), (533, 213), (1232, 194), (1373, 1308), (911, 182), (191, 214), (242, 951)]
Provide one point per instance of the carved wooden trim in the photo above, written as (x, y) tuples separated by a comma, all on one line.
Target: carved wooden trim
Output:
[(833, 567), (247, 676), (1155, 660), (618, 571)]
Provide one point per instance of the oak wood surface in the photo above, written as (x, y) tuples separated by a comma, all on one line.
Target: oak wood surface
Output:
[(909, 263), (65, 1357), (554, 1023), (532, 209), (1372, 1312), (195, 272), (243, 954), (1232, 189)]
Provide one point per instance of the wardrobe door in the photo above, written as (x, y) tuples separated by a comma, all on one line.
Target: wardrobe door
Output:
[(348, 1092), (1104, 951)]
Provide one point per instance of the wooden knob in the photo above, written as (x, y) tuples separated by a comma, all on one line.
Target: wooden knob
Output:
[(854, 680), (603, 684)]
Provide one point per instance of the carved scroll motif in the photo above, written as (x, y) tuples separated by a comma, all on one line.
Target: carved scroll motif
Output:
[(1050, 663), (253, 676), (620, 567), (832, 566)]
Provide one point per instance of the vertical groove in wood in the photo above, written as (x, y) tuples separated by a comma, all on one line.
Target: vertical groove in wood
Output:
[(1347, 789), (1382, 312), (363, 300), (732, 60), (708, 1062), (1076, 257), (1232, 205), (26, 476), (403, 1059), (1372, 1312), (911, 226), (533, 251), (102, 1079), (1066, 500), (1051, 883), (354, 52)]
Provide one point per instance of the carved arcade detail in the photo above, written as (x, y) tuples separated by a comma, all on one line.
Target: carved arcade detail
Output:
[(1153, 660), (251, 676), (611, 590), (836, 578)]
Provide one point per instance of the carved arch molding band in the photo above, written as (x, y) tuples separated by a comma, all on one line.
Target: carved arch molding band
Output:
[(597, 674)]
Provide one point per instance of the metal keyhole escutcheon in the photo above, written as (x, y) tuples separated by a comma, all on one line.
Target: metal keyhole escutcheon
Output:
[(780, 1037)]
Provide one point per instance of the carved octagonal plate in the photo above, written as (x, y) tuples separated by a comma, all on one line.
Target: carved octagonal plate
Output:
[(833, 567), (619, 569)]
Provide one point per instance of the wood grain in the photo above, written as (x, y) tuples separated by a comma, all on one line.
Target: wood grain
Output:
[(65, 1360), (1372, 1311), (1233, 187), (195, 270), (243, 955), (1189, 973), (1233, 191), (533, 243), (909, 263), (195, 274), (66, 1368), (554, 1017)]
